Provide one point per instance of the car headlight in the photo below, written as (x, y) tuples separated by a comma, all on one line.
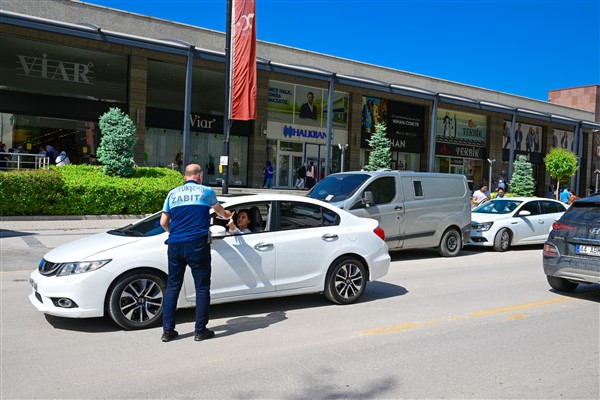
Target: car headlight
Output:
[(80, 267), (484, 226)]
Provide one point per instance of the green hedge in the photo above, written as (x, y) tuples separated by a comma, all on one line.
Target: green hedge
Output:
[(84, 190)]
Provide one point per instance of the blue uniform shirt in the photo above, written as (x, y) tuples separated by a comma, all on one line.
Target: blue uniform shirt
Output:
[(189, 207)]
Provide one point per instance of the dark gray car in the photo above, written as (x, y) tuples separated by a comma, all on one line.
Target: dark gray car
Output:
[(572, 251)]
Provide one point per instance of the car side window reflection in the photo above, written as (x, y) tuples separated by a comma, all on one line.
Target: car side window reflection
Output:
[(295, 215), (550, 207), (532, 207)]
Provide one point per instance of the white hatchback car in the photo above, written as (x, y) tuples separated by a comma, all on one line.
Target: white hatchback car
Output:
[(297, 245), (511, 221)]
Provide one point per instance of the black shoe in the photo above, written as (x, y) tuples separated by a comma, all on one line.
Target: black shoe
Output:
[(167, 336), (205, 334)]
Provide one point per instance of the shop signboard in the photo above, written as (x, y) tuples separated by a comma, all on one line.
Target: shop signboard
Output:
[(455, 150), (404, 123)]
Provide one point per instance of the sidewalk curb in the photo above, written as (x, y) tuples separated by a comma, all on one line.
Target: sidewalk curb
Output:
[(30, 218)]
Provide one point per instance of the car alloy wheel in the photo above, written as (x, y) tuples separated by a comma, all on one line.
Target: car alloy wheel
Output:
[(136, 301), (346, 281), (502, 240)]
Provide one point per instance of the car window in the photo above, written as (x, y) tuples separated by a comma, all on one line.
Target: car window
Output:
[(258, 213), (149, 226), (550, 207), (533, 207), (383, 189), (298, 215), (497, 207), (583, 213)]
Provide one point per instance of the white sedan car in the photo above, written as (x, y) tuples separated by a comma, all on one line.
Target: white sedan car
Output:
[(298, 245), (511, 221)]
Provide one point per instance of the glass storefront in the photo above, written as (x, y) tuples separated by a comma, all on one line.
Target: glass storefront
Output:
[(30, 134), (163, 147)]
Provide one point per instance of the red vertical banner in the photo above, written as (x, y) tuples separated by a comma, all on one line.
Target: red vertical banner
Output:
[(243, 60)]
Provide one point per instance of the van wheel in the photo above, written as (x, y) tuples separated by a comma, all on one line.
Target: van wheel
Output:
[(450, 244), (561, 284), (502, 240)]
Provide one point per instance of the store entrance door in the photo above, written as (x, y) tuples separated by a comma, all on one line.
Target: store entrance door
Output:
[(287, 165)]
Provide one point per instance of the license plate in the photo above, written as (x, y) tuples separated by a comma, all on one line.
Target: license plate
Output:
[(33, 284), (587, 250)]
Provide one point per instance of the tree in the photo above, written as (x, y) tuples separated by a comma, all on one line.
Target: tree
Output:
[(116, 146), (562, 165), (381, 154), (522, 183)]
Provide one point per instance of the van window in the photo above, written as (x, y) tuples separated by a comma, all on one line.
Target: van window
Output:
[(337, 187), (383, 189), (418, 188)]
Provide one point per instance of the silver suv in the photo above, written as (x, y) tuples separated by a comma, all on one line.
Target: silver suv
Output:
[(572, 251)]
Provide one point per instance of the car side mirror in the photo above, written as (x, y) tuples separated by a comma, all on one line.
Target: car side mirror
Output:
[(524, 213), (217, 231), (367, 199)]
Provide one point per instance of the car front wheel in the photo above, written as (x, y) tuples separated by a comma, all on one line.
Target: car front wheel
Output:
[(136, 300), (561, 284), (346, 281), (502, 240)]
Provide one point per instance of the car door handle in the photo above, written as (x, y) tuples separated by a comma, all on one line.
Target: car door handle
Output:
[(541, 221), (263, 246), (329, 237), (398, 208)]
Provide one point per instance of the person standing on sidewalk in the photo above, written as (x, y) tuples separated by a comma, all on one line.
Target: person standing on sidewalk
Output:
[(186, 217)]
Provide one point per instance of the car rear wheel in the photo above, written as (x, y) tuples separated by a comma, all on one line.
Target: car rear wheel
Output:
[(136, 300), (561, 284), (450, 244), (502, 240), (346, 281)]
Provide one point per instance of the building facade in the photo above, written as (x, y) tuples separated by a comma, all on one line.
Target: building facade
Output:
[(60, 75)]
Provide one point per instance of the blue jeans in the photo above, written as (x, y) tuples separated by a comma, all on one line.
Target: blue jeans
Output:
[(196, 254)]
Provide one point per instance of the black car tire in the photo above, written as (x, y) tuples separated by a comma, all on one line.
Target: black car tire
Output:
[(136, 300), (561, 284), (450, 244), (346, 281), (502, 240)]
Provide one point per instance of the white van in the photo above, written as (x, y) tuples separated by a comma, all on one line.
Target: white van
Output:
[(415, 209)]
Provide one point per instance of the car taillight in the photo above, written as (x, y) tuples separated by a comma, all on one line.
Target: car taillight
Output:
[(550, 250), (379, 232), (559, 226)]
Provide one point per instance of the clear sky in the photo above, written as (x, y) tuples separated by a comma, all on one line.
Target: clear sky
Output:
[(523, 47)]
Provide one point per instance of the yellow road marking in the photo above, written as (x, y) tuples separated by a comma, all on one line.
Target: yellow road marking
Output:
[(493, 311), (501, 310)]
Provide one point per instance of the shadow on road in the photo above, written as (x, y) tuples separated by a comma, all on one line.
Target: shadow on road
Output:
[(275, 310), (5, 233), (583, 292)]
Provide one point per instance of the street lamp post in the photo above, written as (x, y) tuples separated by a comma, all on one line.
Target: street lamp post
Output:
[(490, 173), (343, 150)]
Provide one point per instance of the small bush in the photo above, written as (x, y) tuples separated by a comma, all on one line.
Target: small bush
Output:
[(85, 190)]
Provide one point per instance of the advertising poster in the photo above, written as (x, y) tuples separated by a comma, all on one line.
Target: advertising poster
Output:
[(563, 139), (527, 141), (460, 128), (305, 105), (404, 123)]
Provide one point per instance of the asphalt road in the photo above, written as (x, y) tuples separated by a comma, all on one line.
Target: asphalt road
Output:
[(482, 325)]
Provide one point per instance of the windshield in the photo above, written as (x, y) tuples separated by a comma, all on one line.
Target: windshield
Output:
[(337, 187), (504, 206), (146, 227)]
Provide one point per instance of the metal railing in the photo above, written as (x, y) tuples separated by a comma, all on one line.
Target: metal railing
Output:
[(21, 161)]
